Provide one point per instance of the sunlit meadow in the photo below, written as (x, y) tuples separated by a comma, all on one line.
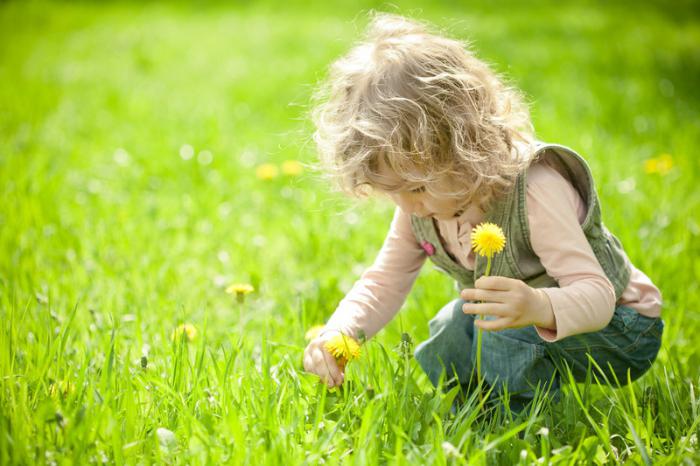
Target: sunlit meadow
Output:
[(165, 243)]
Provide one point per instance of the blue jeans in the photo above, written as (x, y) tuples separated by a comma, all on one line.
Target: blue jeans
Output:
[(520, 360)]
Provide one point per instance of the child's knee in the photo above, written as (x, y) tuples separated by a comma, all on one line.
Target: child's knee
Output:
[(437, 359), (518, 364), (621, 352), (449, 346), (450, 317)]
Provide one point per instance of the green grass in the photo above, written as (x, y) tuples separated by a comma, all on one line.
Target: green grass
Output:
[(109, 239)]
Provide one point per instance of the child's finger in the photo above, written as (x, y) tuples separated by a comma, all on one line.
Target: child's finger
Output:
[(320, 367), (308, 363), (324, 365), (494, 283), (487, 309), (498, 324), (475, 294), (333, 370)]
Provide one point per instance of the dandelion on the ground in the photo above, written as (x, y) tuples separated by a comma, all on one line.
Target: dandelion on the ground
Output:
[(488, 239), (313, 332), (343, 348), (61, 388), (240, 290), (661, 164), (266, 171), (292, 168), (188, 331)]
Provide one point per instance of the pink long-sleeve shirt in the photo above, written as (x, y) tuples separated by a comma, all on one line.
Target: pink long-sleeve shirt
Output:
[(583, 302)]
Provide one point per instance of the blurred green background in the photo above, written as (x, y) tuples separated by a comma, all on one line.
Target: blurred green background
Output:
[(130, 138)]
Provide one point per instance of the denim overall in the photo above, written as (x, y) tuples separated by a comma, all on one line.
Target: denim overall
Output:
[(518, 358)]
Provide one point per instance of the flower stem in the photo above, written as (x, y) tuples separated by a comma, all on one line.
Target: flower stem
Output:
[(478, 340), (478, 357)]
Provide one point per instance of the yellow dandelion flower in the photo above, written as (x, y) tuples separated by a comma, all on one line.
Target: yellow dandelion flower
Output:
[(651, 166), (187, 330), (343, 348), (665, 163), (313, 332), (488, 239), (266, 171), (61, 388), (661, 164), (240, 290), (292, 168)]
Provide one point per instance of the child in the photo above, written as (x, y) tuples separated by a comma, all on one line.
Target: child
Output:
[(418, 117)]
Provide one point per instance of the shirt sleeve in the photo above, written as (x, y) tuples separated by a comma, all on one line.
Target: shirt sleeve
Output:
[(585, 299), (381, 290)]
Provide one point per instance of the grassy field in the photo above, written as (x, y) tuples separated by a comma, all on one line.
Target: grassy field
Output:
[(130, 137)]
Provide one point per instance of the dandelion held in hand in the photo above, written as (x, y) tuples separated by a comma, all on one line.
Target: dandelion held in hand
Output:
[(343, 348), (487, 239)]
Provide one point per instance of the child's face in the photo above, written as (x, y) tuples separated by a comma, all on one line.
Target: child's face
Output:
[(418, 201), (422, 204)]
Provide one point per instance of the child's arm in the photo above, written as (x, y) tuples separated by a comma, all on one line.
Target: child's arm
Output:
[(374, 299), (381, 290)]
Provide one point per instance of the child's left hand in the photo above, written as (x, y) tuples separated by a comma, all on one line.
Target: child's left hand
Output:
[(513, 302)]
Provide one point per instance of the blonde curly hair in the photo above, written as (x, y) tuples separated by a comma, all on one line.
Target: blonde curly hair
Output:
[(427, 108)]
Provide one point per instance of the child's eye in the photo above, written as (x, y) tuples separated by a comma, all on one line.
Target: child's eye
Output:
[(420, 189)]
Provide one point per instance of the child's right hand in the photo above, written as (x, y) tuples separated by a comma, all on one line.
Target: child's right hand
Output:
[(319, 361)]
